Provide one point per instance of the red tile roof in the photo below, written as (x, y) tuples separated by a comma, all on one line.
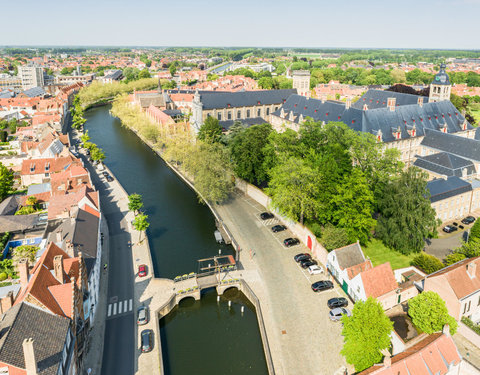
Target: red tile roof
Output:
[(379, 280), (38, 166), (63, 295), (64, 201), (358, 268)]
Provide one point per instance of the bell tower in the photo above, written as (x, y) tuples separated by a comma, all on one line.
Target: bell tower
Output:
[(441, 87)]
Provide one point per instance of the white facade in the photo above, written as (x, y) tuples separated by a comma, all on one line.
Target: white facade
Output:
[(31, 76)]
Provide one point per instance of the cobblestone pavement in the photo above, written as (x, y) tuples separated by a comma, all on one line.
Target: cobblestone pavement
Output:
[(302, 338)]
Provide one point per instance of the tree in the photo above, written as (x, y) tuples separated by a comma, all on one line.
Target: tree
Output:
[(172, 69), (453, 258), (365, 333), (210, 131), (334, 238), (294, 188), (247, 153), (406, 215), (144, 73), (6, 181), (135, 202), (141, 224), (470, 249), (25, 251), (85, 137), (97, 154), (427, 263), (474, 231), (429, 313), (353, 207), (31, 201)]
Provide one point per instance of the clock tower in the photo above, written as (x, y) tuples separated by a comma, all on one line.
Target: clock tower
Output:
[(440, 88)]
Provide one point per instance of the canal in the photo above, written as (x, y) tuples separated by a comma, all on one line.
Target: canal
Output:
[(204, 337)]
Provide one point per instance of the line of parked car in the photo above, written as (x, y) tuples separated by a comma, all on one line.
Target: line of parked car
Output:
[(107, 176), (454, 227), (287, 242)]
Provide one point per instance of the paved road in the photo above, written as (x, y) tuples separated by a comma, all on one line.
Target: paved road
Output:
[(303, 339)]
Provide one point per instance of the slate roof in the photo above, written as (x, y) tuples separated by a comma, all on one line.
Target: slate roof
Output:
[(222, 99), (246, 122), (378, 99), (34, 91), (349, 255), (445, 188), (441, 78), (10, 205), (19, 223), (49, 334), (446, 164), (432, 355), (461, 146), (429, 116)]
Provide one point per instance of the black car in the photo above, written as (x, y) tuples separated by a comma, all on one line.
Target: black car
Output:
[(307, 263), (337, 302), (278, 228), (291, 242), (266, 215), (449, 228), (146, 340), (105, 173), (456, 224), (302, 256), (322, 285), (468, 220), (109, 178)]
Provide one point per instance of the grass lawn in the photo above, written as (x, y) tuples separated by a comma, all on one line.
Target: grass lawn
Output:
[(476, 115), (379, 254)]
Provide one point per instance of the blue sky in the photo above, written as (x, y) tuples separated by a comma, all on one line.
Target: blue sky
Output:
[(305, 23)]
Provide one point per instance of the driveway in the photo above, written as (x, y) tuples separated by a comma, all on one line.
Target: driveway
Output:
[(441, 247), (302, 338)]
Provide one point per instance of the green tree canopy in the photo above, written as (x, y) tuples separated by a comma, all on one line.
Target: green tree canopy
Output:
[(141, 224), (144, 73), (334, 238), (25, 251), (406, 215), (474, 231), (427, 263), (135, 202), (85, 137), (97, 154), (247, 153), (6, 181), (429, 313), (210, 131), (366, 333)]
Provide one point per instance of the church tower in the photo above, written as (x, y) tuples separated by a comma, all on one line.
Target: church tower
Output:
[(440, 88)]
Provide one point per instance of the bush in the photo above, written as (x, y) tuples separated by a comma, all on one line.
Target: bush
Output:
[(3, 276), (475, 231), (429, 313), (474, 327), (315, 228), (453, 258), (334, 237), (427, 263)]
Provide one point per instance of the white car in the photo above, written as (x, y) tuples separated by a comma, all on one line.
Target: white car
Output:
[(336, 314), (315, 270)]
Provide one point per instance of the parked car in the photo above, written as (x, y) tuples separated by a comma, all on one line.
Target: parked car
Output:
[(146, 340), (142, 270), (109, 178), (105, 174), (278, 228), (336, 314), (337, 302), (142, 315), (456, 224), (266, 215), (322, 285), (315, 270), (291, 241), (449, 228), (302, 256), (307, 263), (461, 226), (468, 220)]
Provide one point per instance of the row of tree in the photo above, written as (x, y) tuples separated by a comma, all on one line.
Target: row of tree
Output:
[(77, 113), (96, 153)]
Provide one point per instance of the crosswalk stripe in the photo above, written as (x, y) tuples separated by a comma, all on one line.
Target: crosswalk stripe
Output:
[(120, 307), (115, 308), (125, 303), (130, 305), (109, 309)]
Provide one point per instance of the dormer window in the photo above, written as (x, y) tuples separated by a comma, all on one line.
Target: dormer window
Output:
[(339, 117), (326, 114), (47, 167), (295, 105), (305, 107), (32, 168), (258, 103)]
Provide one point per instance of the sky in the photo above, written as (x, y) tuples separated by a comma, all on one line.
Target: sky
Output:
[(439, 24)]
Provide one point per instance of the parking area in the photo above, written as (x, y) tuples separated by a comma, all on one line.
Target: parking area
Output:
[(296, 318)]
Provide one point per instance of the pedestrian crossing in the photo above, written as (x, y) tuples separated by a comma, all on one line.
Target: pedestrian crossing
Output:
[(121, 307)]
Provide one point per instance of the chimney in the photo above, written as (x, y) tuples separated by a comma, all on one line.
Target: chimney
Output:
[(29, 355), (365, 107), (348, 103), (446, 330), (22, 268), (391, 102), (70, 249), (471, 269), (387, 359), (58, 236), (420, 101), (6, 302), (58, 268)]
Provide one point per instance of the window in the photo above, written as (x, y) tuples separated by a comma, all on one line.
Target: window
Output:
[(469, 303), (239, 114), (268, 111), (219, 116), (248, 113), (478, 304), (464, 308), (259, 111), (229, 115)]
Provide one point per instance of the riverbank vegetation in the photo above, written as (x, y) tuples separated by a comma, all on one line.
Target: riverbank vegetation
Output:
[(99, 92)]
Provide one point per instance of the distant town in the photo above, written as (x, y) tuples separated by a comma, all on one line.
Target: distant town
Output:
[(339, 192)]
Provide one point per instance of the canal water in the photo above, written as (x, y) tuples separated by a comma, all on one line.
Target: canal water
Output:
[(205, 337)]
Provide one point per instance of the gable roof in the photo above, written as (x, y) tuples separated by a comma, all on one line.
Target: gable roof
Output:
[(49, 333), (446, 164), (359, 268), (378, 99), (47, 165), (461, 146), (445, 188), (378, 280), (223, 99), (349, 255), (458, 277)]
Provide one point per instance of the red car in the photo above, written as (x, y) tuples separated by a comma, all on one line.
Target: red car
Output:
[(142, 270)]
